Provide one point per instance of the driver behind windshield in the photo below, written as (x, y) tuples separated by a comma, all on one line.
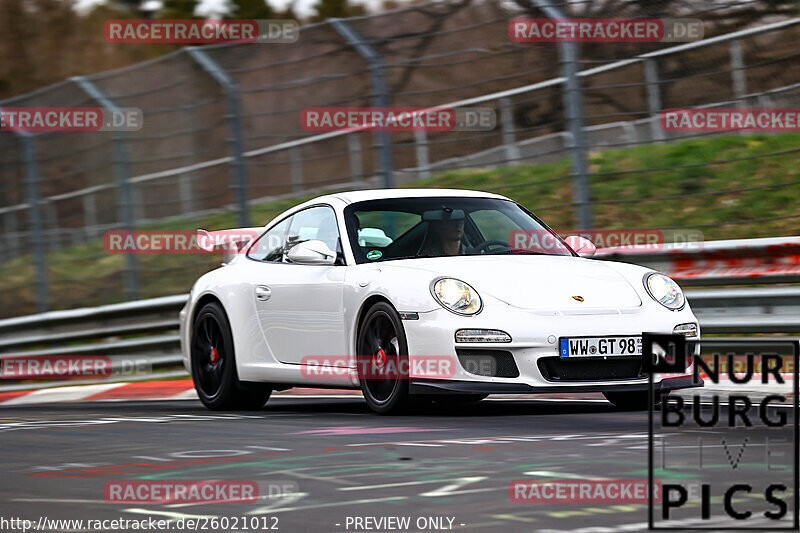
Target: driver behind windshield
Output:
[(444, 233)]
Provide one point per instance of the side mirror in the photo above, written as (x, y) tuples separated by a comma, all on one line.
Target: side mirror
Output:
[(582, 246), (311, 253)]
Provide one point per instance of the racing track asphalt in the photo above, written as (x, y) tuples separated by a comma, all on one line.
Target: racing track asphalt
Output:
[(333, 459)]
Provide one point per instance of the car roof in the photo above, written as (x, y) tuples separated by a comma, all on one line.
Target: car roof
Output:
[(350, 197), (378, 194)]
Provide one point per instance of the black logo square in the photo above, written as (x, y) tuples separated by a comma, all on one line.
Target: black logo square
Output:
[(663, 353)]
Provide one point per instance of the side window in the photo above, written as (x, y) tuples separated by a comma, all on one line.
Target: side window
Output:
[(315, 223), (270, 246)]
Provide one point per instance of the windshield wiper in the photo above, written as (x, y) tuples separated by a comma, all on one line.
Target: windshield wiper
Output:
[(407, 257), (516, 252)]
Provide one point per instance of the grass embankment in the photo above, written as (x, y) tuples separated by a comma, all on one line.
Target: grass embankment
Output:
[(85, 275)]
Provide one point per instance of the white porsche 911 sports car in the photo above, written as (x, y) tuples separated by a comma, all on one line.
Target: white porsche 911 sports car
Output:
[(419, 295)]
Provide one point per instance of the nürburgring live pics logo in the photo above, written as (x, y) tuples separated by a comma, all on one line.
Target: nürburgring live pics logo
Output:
[(717, 468)]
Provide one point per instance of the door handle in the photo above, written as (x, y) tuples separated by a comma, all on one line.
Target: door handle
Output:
[(263, 292)]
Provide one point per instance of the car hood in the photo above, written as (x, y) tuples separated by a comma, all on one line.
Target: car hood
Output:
[(537, 282)]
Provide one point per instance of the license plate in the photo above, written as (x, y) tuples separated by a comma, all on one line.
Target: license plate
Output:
[(599, 346)]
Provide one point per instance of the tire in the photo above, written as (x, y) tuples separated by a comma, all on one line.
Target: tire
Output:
[(382, 358), (214, 365), (632, 400)]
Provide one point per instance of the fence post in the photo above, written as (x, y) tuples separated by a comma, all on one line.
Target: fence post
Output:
[(185, 194), (51, 222), (5, 242), (356, 165), (37, 237), (188, 205), (737, 71), (630, 132), (573, 106), (89, 215), (139, 208), (122, 172), (380, 93), (423, 156), (507, 125), (12, 237), (653, 98), (296, 168), (231, 89)]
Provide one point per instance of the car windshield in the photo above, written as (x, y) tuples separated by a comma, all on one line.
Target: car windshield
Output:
[(405, 228)]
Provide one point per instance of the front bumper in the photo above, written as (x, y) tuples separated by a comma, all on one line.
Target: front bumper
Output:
[(534, 342)]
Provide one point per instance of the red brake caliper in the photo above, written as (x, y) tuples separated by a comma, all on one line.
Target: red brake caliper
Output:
[(379, 359), (214, 356)]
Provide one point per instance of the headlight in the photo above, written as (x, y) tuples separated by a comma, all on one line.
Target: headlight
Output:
[(665, 291), (457, 296)]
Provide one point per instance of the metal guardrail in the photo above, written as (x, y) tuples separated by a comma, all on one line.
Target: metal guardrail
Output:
[(139, 338), (747, 310), (729, 262), (147, 329), (142, 317)]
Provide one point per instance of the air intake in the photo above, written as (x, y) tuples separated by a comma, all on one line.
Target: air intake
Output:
[(490, 363)]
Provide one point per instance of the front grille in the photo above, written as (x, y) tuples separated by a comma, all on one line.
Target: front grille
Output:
[(492, 363), (590, 368)]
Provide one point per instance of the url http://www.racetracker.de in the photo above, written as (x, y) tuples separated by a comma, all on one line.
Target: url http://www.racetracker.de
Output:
[(200, 523)]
